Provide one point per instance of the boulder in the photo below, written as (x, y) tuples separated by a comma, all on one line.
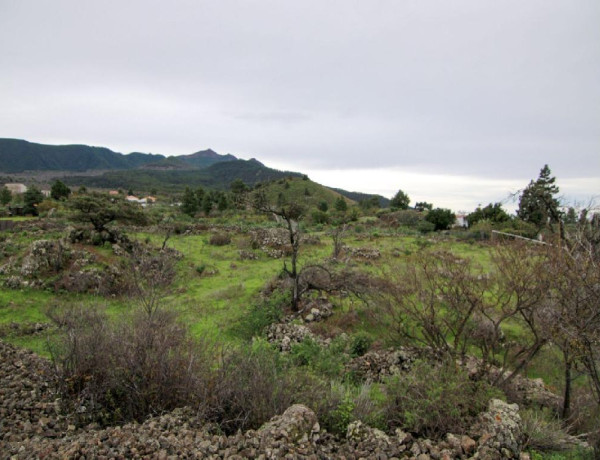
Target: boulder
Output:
[(499, 431)]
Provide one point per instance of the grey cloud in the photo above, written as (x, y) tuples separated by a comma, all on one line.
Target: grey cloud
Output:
[(492, 89)]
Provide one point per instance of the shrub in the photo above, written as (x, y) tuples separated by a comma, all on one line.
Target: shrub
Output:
[(324, 361), (126, 371), (434, 399), (425, 226), (261, 315), (360, 344), (543, 431), (220, 239), (253, 384), (320, 217), (345, 403)]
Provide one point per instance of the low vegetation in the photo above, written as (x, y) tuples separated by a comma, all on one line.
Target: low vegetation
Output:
[(291, 293)]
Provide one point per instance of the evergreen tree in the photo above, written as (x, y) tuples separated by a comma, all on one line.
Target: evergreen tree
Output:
[(537, 203), (222, 203), (31, 198), (207, 203), (189, 202), (5, 196), (341, 205), (400, 200), (442, 219), (59, 190)]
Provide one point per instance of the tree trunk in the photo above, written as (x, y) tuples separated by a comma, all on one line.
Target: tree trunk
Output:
[(566, 409)]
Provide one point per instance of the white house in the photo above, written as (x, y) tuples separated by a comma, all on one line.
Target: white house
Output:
[(16, 188)]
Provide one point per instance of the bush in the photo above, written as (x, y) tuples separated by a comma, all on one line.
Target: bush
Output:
[(261, 315), (346, 403), (126, 371), (360, 344), (327, 361), (543, 431), (434, 399), (220, 239), (254, 384), (320, 217), (425, 226)]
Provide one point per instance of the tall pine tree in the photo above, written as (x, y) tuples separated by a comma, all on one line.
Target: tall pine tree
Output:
[(538, 204)]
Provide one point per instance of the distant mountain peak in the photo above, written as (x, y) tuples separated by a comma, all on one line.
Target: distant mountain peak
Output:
[(210, 154)]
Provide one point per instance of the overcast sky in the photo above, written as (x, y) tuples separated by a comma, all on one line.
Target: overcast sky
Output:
[(455, 102)]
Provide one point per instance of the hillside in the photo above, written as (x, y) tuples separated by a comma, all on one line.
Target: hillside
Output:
[(18, 155), (161, 177), (359, 196), (83, 165), (306, 192)]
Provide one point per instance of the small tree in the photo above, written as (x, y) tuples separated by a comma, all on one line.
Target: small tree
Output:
[(100, 210), (189, 202), (400, 200), (492, 212), (31, 198), (291, 215), (441, 218), (423, 206), (340, 204), (207, 203), (238, 191), (59, 190), (5, 196)]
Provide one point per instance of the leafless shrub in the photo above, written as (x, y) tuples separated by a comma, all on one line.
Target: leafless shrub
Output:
[(110, 372), (252, 385), (150, 273), (220, 239)]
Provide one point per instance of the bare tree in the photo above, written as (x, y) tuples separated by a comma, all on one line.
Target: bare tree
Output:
[(291, 215), (151, 274)]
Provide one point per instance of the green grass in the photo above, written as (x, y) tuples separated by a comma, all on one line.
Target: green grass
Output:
[(211, 301)]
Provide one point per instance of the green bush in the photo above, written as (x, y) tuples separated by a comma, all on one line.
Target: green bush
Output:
[(434, 399), (345, 403), (425, 226), (327, 361), (544, 432), (360, 344), (320, 217), (261, 315)]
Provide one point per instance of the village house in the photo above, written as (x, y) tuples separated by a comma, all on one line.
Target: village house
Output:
[(16, 187)]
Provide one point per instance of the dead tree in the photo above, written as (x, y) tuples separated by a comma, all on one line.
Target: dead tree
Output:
[(291, 215)]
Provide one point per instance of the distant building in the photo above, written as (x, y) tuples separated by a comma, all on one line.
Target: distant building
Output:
[(16, 188), (133, 199), (46, 193), (461, 219), (113, 192), (150, 199)]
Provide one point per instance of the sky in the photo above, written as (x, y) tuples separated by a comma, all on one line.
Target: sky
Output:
[(456, 103)]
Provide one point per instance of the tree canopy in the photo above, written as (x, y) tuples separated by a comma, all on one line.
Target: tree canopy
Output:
[(31, 198), (538, 204), (100, 209), (492, 212), (400, 200), (59, 190), (441, 218), (5, 196)]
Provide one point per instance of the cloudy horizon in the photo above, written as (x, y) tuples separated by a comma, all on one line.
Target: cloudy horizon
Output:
[(456, 103)]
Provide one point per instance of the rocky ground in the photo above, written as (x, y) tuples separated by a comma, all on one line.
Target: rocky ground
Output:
[(31, 426)]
